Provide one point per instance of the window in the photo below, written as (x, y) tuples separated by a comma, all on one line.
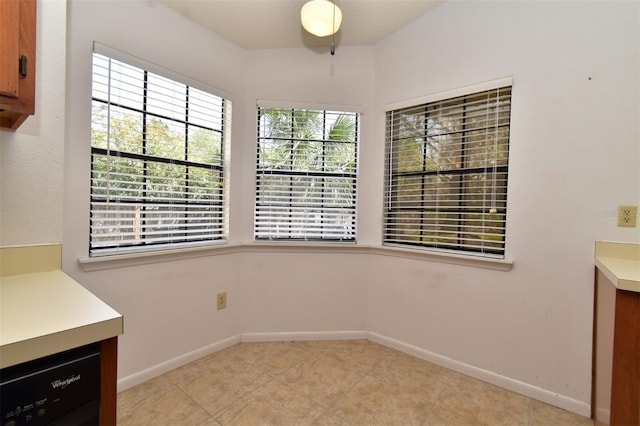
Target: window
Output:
[(157, 148), (446, 173), (306, 175)]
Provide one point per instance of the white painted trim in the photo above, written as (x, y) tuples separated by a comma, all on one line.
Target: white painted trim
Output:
[(453, 93), (485, 262), (268, 103), (173, 363), (134, 259), (89, 264), (552, 398), (303, 336)]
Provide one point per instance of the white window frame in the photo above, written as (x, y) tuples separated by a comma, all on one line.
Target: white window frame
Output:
[(426, 216), (182, 212), (281, 216)]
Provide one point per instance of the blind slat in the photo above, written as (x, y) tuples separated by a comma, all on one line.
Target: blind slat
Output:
[(446, 172), (306, 174), (157, 170)]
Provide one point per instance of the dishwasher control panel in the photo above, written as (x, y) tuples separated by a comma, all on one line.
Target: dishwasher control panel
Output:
[(59, 389)]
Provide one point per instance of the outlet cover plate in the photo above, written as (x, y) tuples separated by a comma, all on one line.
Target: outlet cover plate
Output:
[(627, 216), (222, 300)]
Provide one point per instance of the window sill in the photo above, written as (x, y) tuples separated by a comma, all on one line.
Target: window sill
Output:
[(89, 264), (497, 264), (126, 260)]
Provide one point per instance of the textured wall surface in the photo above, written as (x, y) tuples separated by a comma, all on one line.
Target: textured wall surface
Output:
[(32, 157)]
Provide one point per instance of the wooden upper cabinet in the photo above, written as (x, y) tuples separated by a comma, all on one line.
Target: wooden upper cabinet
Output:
[(17, 61)]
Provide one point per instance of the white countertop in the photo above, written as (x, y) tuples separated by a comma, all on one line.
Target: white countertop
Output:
[(43, 313), (620, 263)]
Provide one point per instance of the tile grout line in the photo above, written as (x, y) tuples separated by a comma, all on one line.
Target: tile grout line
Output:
[(449, 382), (343, 395), (210, 416), (273, 377), (218, 358), (366, 374), (327, 410), (424, 421)]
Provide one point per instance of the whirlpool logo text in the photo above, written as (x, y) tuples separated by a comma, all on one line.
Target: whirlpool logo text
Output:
[(63, 383)]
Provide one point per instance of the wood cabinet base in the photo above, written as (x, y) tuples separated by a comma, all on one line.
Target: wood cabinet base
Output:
[(617, 353), (108, 383), (625, 381)]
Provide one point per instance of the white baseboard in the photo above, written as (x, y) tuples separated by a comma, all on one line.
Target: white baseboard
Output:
[(552, 398), (303, 335), (522, 388), (166, 366)]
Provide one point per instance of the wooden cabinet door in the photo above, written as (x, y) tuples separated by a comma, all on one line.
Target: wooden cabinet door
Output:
[(17, 61), (9, 47)]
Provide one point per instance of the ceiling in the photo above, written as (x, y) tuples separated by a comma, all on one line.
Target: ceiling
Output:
[(265, 24)]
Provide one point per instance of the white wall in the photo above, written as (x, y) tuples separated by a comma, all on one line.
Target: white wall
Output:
[(32, 157), (573, 139), (574, 156), (169, 307), (303, 292), (287, 291)]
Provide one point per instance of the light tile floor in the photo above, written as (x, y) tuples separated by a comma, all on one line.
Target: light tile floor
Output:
[(342, 383)]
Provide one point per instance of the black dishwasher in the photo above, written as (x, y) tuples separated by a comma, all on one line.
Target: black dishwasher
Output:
[(60, 389)]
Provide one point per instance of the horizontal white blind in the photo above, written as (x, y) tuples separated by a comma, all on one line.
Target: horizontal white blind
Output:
[(306, 174), (157, 161), (446, 172)]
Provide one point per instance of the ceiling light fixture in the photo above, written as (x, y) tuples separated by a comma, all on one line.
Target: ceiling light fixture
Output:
[(321, 18)]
